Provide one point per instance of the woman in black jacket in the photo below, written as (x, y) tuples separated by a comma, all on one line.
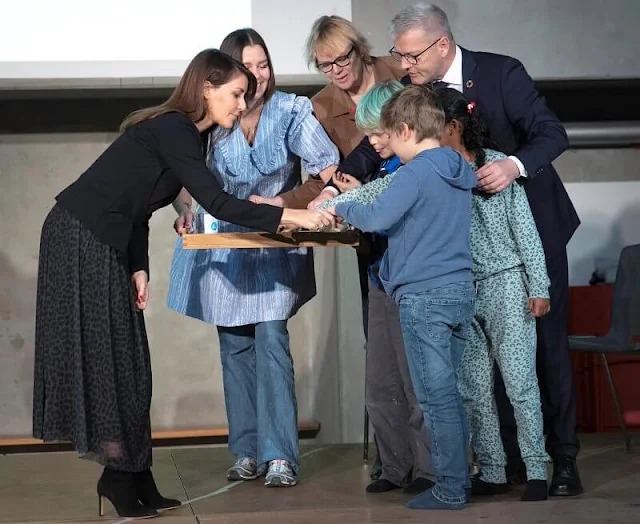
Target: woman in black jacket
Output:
[(92, 383)]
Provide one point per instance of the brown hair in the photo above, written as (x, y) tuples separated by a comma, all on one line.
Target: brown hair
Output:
[(416, 106), (209, 65), (235, 42), (327, 30)]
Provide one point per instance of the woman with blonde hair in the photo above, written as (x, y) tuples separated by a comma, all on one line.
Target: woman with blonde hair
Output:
[(337, 49)]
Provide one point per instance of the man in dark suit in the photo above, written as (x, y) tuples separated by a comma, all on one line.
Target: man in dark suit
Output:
[(526, 129)]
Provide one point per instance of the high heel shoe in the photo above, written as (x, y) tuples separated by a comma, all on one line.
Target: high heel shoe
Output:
[(148, 492), (119, 488)]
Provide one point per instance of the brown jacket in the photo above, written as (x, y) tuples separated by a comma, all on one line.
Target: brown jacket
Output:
[(335, 111)]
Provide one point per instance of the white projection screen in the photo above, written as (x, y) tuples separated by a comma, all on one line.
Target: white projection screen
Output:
[(76, 39), (112, 39)]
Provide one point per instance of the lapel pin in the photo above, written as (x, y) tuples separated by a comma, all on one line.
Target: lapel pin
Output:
[(469, 84)]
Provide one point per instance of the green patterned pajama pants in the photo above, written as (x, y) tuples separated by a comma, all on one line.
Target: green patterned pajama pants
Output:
[(503, 331)]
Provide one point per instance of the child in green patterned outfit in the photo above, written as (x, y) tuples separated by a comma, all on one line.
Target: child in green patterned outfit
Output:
[(512, 287)]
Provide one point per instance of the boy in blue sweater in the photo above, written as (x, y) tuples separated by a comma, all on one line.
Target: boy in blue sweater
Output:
[(427, 270)]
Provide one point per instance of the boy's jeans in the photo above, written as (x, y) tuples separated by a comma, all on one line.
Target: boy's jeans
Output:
[(434, 326)]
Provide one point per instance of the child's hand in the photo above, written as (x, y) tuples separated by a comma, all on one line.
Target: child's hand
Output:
[(322, 197), (275, 201), (539, 307), (338, 219), (345, 182)]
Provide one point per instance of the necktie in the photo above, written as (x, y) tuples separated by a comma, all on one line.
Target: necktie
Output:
[(438, 84)]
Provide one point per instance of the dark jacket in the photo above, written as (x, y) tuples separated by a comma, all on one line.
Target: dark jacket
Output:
[(524, 126)]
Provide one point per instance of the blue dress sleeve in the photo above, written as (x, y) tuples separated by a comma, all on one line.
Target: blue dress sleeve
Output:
[(307, 139)]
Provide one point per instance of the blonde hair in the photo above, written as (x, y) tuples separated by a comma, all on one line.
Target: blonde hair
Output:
[(418, 107), (327, 30)]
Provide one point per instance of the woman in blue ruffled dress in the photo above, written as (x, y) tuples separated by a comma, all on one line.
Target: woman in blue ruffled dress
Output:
[(250, 294)]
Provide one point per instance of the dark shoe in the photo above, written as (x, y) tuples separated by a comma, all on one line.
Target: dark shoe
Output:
[(381, 485), (566, 480), (148, 493), (419, 485), (517, 478), (120, 488), (536, 490), (516, 472), (376, 469), (480, 488)]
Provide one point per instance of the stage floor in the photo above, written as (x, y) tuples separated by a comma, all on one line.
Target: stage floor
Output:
[(57, 487)]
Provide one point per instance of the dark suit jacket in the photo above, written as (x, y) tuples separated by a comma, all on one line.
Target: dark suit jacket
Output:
[(523, 125)]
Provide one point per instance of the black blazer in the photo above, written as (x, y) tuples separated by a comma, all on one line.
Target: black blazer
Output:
[(524, 126), (144, 170)]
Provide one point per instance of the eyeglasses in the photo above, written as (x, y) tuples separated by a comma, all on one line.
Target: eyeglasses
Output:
[(341, 61), (411, 59)]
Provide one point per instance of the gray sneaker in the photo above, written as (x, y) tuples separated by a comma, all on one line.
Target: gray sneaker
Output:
[(280, 475), (245, 468)]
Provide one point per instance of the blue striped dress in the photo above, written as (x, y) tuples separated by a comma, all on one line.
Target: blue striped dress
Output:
[(235, 287)]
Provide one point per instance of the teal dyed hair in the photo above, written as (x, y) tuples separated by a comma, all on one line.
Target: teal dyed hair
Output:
[(370, 106)]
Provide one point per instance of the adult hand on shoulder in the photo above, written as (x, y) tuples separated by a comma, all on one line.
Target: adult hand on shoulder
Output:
[(496, 176), (345, 182), (140, 282), (539, 307), (182, 224), (322, 197)]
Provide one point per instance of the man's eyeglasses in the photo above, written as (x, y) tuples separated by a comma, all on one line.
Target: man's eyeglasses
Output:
[(341, 61), (411, 59)]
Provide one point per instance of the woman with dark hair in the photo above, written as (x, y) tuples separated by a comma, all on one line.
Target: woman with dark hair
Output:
[(92, 379), (250, 294), (512, 289)]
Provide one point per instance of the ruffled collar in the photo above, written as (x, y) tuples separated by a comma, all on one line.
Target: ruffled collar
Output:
[(269, 140)]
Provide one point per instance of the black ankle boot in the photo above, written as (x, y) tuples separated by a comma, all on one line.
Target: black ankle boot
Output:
[(120, 488), (148, 492)]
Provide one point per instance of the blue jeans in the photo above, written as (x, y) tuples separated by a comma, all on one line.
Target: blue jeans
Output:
[(434, 327), (259, 392)]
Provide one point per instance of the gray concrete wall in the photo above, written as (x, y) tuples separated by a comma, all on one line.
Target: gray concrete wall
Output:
[(326, 338), (185, 358), (554, 39)]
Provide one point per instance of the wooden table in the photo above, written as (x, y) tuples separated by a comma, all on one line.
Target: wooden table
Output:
[(296, 238)]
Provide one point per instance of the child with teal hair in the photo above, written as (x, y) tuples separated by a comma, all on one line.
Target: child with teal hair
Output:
[(396, 417), (368, 119)]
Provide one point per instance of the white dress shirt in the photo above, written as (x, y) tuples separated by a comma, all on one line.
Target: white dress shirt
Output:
[(453, 79)]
